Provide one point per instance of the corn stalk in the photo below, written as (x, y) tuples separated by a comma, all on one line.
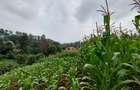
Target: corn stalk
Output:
[(107, 23), (136, 5), (106, 16), (137, 23)]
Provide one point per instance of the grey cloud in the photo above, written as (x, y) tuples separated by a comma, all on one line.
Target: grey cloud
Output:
[(61, 20), (88, 9), (50, 17), (122, 8), (23, 9)]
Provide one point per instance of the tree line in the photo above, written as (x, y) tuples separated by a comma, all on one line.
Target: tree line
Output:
[(13, 43)]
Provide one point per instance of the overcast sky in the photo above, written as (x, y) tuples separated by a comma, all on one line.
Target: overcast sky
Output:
[(60, 20)]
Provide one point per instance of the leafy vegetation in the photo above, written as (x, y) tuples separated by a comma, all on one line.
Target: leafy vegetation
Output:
[(112, 65), (111, 62), (41, 75), (7, 65)]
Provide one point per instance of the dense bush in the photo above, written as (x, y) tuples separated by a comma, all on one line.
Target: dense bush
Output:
[(65, 54), (11, 55), (7, 49), (28, 59), (2, 56), (21, 59)]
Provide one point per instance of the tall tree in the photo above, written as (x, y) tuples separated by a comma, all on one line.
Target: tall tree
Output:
[(44, 44), (23, 41)]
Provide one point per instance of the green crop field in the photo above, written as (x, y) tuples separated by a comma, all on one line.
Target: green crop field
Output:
[(47, 74), (102, 63)]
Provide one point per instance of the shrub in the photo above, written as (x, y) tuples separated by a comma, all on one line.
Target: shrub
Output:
[(10, 55), (28, 59), (2, 56), (39, 55), (21, 59)]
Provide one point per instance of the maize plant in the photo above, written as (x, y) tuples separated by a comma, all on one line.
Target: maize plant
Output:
[(136, 5), (137, 23), (106, 15), (107, 23), (111, 66)]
